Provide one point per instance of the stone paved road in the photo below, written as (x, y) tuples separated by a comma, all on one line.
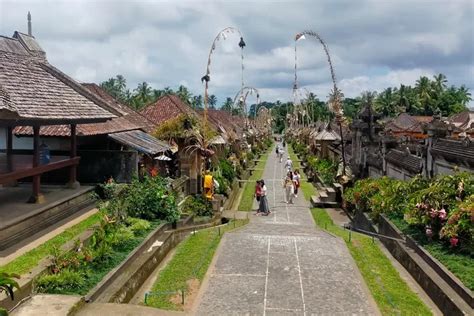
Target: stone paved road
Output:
[(283, 265)]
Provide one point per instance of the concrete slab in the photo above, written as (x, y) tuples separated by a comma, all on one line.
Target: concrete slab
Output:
[(282, 264), (47, 304)]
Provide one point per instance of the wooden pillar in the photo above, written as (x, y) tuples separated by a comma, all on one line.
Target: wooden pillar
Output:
[(73, 183), (36, 197), (10, 148)]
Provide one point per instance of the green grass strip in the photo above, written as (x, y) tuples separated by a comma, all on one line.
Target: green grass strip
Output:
[(30, 259), (391, 293), (246, 201), (191, 261), (307, 188)]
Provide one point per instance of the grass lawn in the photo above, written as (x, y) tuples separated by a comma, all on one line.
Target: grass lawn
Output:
[(461, 265), (246, 201), (190, 262), (307, 188), (391, 293), (30, 259)]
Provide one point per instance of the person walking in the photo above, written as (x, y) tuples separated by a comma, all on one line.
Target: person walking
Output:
[(280, 154), (258, 195), (264, 208), (277, 150), (296, 180), (289, 164), (288, 186)]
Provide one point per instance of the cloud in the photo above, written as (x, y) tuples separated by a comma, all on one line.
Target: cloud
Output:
[(373, 44)]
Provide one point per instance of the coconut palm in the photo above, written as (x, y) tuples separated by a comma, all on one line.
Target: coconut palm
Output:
[(143, 93), (184, 94), (212, 100), (425, 92), (464, 95)]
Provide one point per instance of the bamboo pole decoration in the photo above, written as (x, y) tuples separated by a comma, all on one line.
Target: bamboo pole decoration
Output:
[(335, 102)]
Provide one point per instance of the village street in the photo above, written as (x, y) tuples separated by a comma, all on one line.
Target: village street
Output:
[(283, 265)]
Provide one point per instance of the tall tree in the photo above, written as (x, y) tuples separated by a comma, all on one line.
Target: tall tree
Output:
[(424, 89), (227, 106), (197, 102), (184, 94), (212, 100)]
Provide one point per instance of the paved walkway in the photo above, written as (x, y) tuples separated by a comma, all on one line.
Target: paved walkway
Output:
[(283, 265)]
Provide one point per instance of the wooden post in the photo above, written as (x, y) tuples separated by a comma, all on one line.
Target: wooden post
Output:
[(37, 197), (73, 183), (9, 148)]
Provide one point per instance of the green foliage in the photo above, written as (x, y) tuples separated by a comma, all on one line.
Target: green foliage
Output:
[(438, 213), (197, 205), (227, 170), (176, 128), (27, 261), (66, 281), (391, 293), (78, 270), (150, 199), (8, 284), (138, 226), (325, 168)]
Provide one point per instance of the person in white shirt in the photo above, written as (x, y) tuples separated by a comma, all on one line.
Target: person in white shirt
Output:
[(289, 164), (264, 208)]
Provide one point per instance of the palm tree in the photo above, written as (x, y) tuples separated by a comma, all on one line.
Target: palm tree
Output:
[(184, 94), (464, 95), (197, 102), (212, 100), (385, 102), (423, 86), (168, 90), (158, 94), (227, 106), (143, 92), (439, 83)]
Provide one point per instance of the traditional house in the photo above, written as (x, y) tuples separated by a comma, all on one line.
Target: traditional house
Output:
[(463, 124), (113, 149), (34, 93), (165, 110), (406, 125)]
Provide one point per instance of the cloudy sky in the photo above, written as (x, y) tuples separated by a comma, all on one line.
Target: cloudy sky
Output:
[(374, 43)]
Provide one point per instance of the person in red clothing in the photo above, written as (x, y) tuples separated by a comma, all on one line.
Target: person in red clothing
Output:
[(258, 195)]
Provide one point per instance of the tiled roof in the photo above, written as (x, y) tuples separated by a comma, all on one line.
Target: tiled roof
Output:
[(140, 141), (130, 120), (165, 108), (405, 160), (457, 149), (40, 92), (463, 120), (407, 123)]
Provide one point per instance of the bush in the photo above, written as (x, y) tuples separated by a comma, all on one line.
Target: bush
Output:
[(325, 168), (65, 281), (197, 206), (227, 170), (150, 199), (441, 208), (137, 225)]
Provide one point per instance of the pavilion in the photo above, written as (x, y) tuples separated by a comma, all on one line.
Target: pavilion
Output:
[(35, 93)]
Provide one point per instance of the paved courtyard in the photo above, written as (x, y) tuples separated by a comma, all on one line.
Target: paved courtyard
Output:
[(283, 265)]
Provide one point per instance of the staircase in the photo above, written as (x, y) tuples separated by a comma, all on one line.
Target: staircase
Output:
[(325, 198)]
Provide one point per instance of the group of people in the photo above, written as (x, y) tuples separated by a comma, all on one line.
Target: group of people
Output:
[(291, 185)]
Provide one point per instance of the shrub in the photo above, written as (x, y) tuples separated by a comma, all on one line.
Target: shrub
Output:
[(440, 208), (137, 225), (8, 284), (198, 206), (227, 170), (150, 199), (63, 282)]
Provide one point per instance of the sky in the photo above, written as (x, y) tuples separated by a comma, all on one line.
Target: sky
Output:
[(373, 43)]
